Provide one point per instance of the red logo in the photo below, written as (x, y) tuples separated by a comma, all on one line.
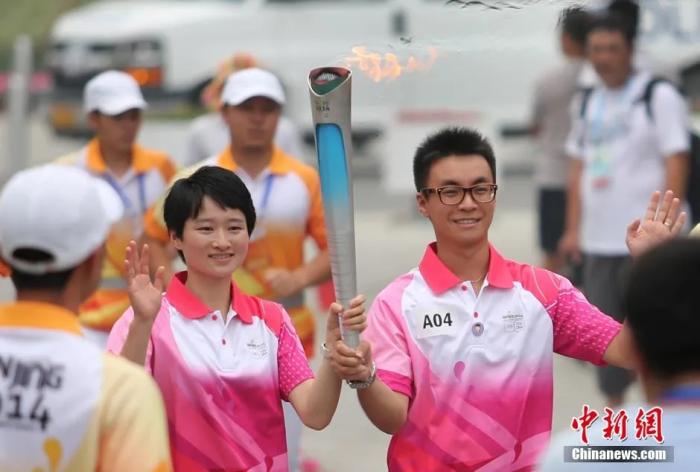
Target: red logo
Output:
[(615, 425), (584, 422), (647, 424)]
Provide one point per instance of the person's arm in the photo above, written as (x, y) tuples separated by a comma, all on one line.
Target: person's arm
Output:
[(386, 400), (286, 283), (569, 245), (537, 110), (677, 168), (671, 123), (385, 408), (145, 297), (620, 352), (315, 400)]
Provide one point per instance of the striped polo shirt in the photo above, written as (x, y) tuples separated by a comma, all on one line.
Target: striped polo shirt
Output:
[(222, 378), (478, 369)]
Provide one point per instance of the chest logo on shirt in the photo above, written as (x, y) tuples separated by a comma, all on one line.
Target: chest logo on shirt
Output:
[(513, 322), (258, 349)]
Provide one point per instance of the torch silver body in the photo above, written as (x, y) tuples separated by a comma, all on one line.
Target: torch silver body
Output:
[(331, 108)]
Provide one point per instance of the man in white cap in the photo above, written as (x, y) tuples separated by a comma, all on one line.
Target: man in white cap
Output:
[(209, 134), (113, 103), (65, 404), (287, 198)]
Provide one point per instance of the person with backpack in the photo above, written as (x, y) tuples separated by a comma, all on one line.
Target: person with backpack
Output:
[(620, 153)]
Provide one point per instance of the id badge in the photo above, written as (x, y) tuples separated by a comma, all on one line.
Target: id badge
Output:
[(601, 170)]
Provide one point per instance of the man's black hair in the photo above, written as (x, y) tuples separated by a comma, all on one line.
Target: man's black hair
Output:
[(54, 281), (456, 141), (575, 22), (662, 304), (627, 11), (614, 22)]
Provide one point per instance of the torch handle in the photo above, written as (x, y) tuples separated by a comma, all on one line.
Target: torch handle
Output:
[(341, 246)]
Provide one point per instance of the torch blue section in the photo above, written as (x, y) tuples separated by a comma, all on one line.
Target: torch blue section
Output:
[(332, 166)]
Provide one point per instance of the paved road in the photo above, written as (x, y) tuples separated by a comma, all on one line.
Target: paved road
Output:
[(390, 240)]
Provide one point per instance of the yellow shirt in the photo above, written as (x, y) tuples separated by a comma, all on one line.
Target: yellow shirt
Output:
[(69, 407)]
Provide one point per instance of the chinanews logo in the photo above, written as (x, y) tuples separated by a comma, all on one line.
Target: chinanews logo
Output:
[(615, 430)]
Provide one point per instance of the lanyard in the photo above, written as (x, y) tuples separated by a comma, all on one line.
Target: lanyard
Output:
[(598, 116), (266, 195), (122, 195)]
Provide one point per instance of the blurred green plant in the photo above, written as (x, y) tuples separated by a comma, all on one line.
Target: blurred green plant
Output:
[(32, 17)]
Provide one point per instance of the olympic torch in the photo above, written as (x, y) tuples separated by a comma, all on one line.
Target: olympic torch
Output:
[(329, 88)]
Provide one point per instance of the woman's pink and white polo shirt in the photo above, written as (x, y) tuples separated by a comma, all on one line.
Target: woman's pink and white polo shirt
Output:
[(222, 381)]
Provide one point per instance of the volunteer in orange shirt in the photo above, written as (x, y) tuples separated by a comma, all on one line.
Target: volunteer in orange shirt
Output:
[(113, 102)]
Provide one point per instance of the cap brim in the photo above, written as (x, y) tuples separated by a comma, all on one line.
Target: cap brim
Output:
[(120, 106), (237, 99)]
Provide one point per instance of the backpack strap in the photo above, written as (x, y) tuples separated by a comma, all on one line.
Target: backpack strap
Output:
[(585, 98), (649, 91), (647, 94)]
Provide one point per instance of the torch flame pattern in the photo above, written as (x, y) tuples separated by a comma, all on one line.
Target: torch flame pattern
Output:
[(379, 66)]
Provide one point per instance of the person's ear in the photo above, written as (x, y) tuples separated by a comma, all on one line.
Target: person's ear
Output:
[(422, 203), (175, 241), (93, 120)]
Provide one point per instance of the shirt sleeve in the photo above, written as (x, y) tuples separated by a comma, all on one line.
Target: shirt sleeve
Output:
[(581, 330), (390, 352), (119, 333), (671, 120), (134, 434), (292, 365), (537, 110)]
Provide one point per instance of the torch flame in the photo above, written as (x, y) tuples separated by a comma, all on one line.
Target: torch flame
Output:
[(388, 66)]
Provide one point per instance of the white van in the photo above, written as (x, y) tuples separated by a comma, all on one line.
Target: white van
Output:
[(487, 58)]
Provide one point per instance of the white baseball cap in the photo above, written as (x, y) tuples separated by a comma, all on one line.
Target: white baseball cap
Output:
[(248, 83), (112, 92), (58, 209)]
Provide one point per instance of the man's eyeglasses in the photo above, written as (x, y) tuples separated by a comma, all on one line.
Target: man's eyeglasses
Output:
[(454, 194)]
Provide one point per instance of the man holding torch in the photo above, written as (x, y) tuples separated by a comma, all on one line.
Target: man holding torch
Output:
[(463, 344)]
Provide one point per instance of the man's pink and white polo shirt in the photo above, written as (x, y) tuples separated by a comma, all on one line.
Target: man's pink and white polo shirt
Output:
[(478, 370), (222, 381)]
